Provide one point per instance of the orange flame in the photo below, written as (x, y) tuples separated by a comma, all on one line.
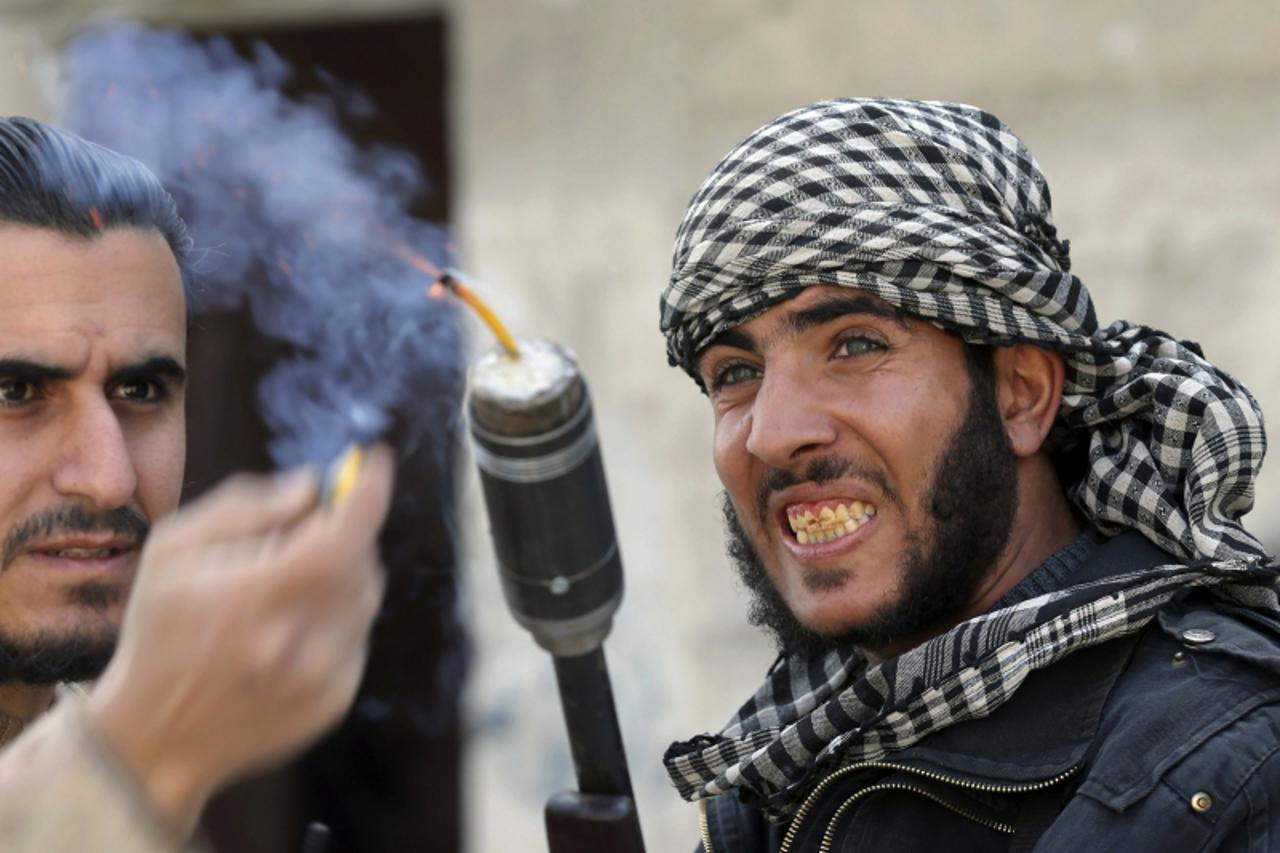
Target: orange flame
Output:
[(418, 262)]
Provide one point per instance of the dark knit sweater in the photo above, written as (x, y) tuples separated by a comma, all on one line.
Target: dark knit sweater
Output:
[(1055, 572)]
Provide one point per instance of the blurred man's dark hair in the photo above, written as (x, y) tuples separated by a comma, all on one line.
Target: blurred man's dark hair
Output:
[(53, 179)]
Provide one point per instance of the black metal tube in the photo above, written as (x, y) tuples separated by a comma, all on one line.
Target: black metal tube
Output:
[(535, 444), (544, 486), (592, 720)]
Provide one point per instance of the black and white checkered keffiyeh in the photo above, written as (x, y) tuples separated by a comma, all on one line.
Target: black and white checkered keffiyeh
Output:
[(940, 210)]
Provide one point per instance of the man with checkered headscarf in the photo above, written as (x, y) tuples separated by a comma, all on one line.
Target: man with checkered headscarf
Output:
[(998, 544)]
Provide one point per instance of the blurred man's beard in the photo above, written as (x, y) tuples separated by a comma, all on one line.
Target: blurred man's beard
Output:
[(62, 657), (971, 500), (80, 654)]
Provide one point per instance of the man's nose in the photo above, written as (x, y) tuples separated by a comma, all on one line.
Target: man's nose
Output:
[(789, 418), (95, 464)]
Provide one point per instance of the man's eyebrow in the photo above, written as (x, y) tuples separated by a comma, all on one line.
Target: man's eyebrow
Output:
[(832, 307), (26, 370), (157, 366), (835, 306), (732, 338)]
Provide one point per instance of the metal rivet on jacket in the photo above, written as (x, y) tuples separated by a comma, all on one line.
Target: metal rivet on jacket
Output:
[(1198, 636)]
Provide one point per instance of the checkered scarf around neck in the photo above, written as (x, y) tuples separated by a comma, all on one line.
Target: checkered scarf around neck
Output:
[(941, 211)]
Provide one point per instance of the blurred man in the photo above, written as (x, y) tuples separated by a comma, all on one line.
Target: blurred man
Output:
[(238, 624), (998, 545)]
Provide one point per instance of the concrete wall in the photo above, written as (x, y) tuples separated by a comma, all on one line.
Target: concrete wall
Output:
[(581, 129)]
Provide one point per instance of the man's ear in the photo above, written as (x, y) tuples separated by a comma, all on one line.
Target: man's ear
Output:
[(1028, 392)]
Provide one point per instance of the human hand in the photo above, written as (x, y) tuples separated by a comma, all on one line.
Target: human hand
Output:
[(245, 634)]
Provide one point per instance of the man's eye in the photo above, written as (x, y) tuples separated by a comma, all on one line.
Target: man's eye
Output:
[(732, 374), (858, 345), (16, 391), (140, 391)]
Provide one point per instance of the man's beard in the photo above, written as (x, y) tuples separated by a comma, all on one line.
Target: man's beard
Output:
[(971, 500), (82, 653), (56, 659)]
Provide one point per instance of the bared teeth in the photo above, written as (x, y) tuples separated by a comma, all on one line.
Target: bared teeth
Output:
[(831, 522), (81, 553)]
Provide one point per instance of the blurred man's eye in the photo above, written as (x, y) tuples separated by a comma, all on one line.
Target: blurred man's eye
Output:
[(141, 391), (16, 391)]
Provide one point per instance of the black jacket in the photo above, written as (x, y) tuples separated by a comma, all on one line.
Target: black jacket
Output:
[(1168, 740)]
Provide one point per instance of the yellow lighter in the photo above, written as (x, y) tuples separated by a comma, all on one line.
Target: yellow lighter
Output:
[(340, 476)]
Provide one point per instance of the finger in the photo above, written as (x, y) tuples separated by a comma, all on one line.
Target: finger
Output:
[(336, 547), (246, 505)]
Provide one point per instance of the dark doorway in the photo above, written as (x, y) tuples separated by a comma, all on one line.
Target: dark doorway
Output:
[(388, 779)]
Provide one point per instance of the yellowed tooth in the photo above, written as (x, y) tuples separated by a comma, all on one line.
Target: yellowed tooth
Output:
[(809, 517), (850, 526), (802, 537), (827, 514), (796, 524), (856, 508), (842, 513), (870, 510)]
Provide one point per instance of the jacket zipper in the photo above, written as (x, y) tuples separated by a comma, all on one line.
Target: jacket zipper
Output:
[(704, 826), (839, 774), (828, 837)]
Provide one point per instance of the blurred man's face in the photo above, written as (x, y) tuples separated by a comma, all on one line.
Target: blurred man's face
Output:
[(92, 436), (870, 482)]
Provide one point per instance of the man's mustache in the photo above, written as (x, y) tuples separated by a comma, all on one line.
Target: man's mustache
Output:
[(122, 521), (825, 469)]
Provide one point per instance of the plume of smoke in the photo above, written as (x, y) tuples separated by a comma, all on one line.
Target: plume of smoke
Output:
[(289, 218)]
